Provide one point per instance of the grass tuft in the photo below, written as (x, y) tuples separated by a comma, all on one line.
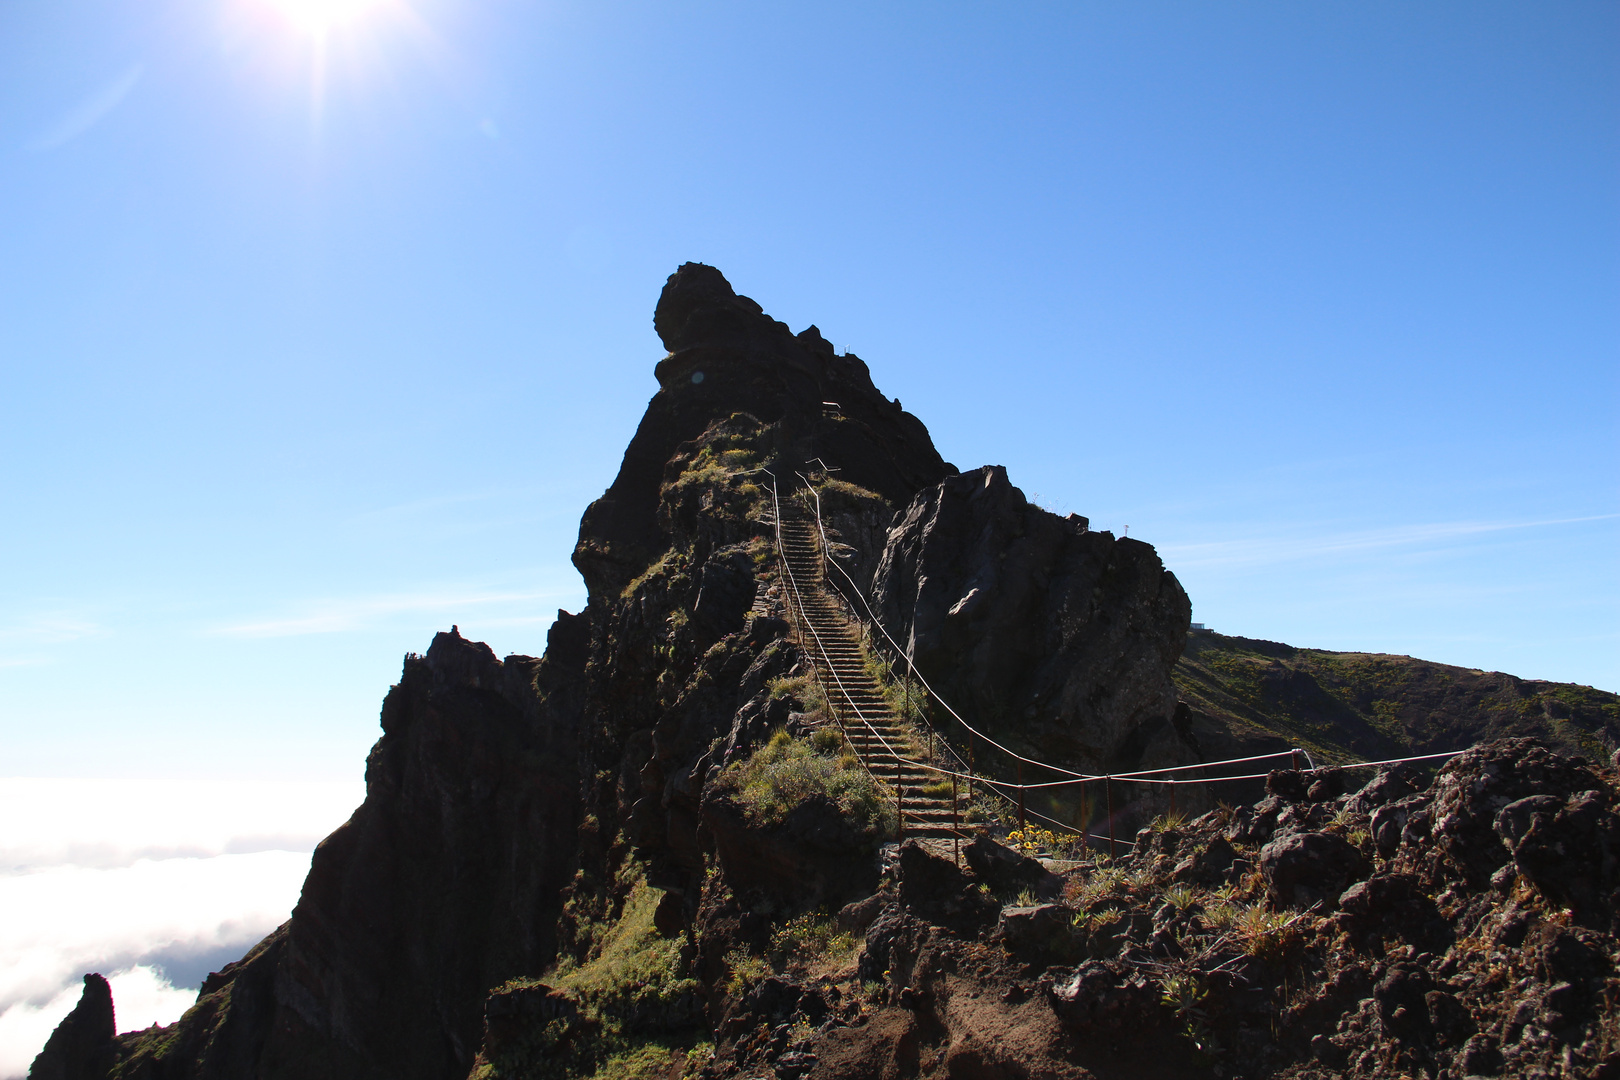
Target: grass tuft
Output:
[(786, 772)]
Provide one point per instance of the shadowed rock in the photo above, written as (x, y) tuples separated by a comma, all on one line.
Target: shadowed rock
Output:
[(1033, 625), (81, 1047)]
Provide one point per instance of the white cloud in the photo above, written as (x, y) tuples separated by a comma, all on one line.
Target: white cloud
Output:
[(169, 913), (48, 628), (111, 823), (152, 883)]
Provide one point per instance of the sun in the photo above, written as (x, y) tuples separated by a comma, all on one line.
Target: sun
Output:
[(319, 17)]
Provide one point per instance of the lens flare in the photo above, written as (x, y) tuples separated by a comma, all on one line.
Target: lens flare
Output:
[(319, 17)]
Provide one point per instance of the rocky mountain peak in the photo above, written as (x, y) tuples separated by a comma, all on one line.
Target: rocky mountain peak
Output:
[(728, 357), (698, 305)]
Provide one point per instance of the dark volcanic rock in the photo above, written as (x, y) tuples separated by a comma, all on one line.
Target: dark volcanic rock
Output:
[(815, 857), (81, 1047), (1568, 847), (1388, 786), (934, 889), (512, 1015), (727, 356), (446, 881), (1034, 625), (1039, 928), (1005, 870), (1470, 793), (1310, 868)]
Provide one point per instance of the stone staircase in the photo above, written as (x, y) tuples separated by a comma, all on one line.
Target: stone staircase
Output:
[(833, 641)]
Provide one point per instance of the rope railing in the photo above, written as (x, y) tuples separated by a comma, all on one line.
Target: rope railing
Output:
[(803, 621), (827, 559), (1072, 778)]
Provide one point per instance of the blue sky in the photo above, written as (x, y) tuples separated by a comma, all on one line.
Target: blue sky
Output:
[(311, 345)]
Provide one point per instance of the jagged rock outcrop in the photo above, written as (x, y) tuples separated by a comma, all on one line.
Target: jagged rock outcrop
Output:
[(727, 356), (81, 1047), (505, 797), (1057, 638), (445, 882)]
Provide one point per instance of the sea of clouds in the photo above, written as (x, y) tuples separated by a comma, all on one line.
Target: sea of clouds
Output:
[(153, 883)]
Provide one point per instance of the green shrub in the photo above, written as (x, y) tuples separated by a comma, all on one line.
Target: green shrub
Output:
[(628, 970), (842, 495), (1180, 897), (808, 939), (803, 689), (654, 1061), (827, 740), (785, 772), (743, 970)]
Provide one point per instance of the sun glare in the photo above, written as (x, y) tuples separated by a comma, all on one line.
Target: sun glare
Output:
[(318, 17)]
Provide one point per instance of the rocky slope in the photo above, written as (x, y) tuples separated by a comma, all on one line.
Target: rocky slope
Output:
[(649, 852), (1465, 929)]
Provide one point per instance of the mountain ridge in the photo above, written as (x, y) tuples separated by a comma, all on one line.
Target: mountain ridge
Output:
[(654, 838)]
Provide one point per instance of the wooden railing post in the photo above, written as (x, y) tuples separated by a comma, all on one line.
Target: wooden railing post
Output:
[(1108, 792), (1021, 798), (956, 834)]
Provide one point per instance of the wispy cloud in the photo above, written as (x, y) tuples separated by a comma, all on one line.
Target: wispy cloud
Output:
[(49, 629), (90, 112), (341, 614), (23, 638), (1262, 550)]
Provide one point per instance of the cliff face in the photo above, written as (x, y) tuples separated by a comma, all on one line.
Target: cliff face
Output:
[(1055, 638), (446, 881)]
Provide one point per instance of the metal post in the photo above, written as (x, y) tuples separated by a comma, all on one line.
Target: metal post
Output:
[(1108, 791), (1293, 760), (899, 804)]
